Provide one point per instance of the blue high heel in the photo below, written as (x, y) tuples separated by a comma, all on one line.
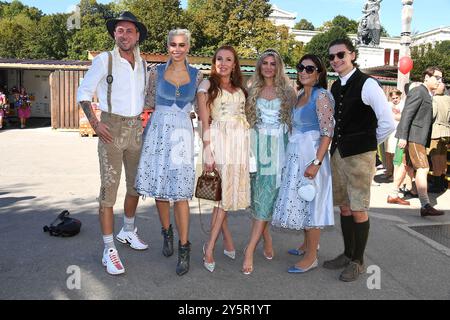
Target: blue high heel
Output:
[(299, 252), (295, 269)]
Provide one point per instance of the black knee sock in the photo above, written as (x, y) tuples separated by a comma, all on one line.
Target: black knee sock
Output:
[(361, 235), (444, 182), (348, 232)]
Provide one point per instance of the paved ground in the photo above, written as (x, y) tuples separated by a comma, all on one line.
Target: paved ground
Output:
[(45, 171)]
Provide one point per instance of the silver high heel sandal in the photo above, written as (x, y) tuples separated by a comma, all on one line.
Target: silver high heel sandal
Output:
[(209, 266), (230, 254)]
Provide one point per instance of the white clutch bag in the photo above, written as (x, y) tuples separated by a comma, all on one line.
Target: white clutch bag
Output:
[(307, 189), (307, 192)]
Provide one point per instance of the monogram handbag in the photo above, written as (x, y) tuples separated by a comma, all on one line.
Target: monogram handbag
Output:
[(209, 186)]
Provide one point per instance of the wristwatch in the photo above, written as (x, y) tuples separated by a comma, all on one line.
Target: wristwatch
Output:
[(317, 162)]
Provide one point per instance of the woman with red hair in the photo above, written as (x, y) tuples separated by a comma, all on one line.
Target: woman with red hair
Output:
[(225, 134)]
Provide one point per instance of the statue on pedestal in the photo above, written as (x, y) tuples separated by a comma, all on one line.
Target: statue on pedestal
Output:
[(369, 28)]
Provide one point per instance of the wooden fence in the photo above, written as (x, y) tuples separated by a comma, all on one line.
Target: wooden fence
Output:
[(63, 91)]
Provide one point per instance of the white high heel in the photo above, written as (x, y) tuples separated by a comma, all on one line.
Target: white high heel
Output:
[(230, 254), (210, 266), (248, 270), (266, 256)]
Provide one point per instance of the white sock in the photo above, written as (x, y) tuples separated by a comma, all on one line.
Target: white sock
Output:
[(108, 240), (128, 224)]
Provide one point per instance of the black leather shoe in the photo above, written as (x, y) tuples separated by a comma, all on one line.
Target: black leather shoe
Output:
[(408, 194), (184, 255), (167, 249)]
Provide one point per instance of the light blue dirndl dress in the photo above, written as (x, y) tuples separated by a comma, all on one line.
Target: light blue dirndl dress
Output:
[(309, 123), (166, 168)]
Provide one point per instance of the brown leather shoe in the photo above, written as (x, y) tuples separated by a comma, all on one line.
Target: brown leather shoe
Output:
[(397, 200), (341, 261), (352, 271), (428, 210)]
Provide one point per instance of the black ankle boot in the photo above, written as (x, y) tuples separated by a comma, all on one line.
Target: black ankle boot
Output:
[(167, 249), (184, 254)]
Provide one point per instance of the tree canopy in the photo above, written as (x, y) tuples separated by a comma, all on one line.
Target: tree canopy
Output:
[(427, 56), (25, 32), (349, 25), (319, 43), (159, 16), (304, 24)]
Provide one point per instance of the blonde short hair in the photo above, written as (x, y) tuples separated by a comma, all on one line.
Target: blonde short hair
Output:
[(179, 32)]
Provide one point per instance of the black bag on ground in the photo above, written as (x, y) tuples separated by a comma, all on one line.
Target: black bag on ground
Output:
[(67, 227)]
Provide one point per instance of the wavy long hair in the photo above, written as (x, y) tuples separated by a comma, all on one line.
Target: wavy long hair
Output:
[(283, 90), (214, 79)]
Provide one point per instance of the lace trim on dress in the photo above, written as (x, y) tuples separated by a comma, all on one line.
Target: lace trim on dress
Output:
[(325, 112), (150, 97)]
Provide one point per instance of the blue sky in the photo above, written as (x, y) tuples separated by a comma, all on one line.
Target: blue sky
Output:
[(427, 14)]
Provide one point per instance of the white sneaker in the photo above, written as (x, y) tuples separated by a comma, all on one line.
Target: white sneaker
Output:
[(132, 239), (112, 262)]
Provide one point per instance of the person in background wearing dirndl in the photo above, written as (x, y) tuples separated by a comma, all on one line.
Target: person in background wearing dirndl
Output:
[(4, 107), (226, 143), (268, 111), (308, 161), (23, 105), (166, 168)]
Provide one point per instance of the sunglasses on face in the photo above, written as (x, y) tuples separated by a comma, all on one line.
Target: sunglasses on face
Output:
[(340, 55), (309, 69)]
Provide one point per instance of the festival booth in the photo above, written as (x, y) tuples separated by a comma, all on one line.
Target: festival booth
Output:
[(51, 86)]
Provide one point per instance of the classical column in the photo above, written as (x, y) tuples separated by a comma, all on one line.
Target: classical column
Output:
[(391, 58), (405, 41)]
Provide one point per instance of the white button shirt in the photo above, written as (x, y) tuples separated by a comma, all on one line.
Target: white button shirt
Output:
[(128, 87), (373, 95)]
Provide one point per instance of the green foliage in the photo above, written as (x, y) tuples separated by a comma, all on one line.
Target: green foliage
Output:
[(12, 39), (304, 24), (93, 35), (89, 39), (17, 23), (26, 33), (349, 25), (159, 16), (427, 56), (240, 23), (49, 40), (195, 5), (319, 43), (15, 7)]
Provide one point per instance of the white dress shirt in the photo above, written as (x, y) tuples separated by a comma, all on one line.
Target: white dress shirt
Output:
[(373, 95), (127, 92)]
